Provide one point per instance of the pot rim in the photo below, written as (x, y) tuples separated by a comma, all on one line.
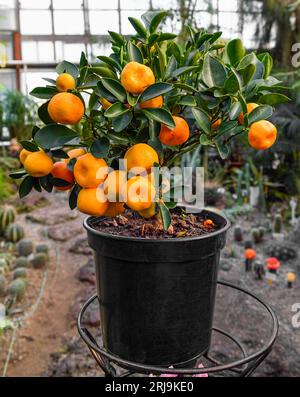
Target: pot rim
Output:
[(224, 229)]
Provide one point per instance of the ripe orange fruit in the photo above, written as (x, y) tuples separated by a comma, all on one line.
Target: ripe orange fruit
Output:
[(250, 107), (115, 185), (23, 155), (92, 201), (262, 135), (74, 154), (216, 124), (61, 171), (66, 108), (140, 193), (149, 212), (38, 164), (65, 82), (89, 171), (177, 135), (140, 158), (136, 77), (105, 103), (115, 209), (250, 253), (152, 103)]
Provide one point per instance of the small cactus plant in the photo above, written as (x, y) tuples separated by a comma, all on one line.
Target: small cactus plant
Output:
[(17, 288), (2, 284), (42, 248), (248, 244), (14, 233), (20, 272), (39, 260), (277, 224), (238, 233), (22, 261), (258, 234), (25, 247), (7, 216)]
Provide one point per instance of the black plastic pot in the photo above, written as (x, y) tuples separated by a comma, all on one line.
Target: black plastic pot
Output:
[(157, 296)]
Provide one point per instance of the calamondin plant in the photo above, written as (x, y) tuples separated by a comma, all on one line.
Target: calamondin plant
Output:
[(148, 103)]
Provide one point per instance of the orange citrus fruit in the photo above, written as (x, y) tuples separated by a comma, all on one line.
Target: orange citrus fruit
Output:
[(216, 124), (250, 108), (38, 164), (136, 77), (92, 201), (175, 136), (115, 185), (105, 103), (61, 171), (66, 108), (89, 171), (149, 212), (152, 103), (65, 82), (262, 135), (140, 193), (23, 155), (74, 154), (140, 158), (115, 209)]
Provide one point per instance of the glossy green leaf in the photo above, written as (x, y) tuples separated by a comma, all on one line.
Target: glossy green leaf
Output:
[(18, 174), (43, 92), (54, 136), (165, 215), (134, 53), (45, 183), (160, 115), (83, 60), (102, 92), (171, 67), (73, 197), (103, 71), (188, 100), (223, 150), (117, 38), (155, 90), (267, 61), (233, 82), (59, 153), (138, 27), (36, 185), (235, 51), (274, 99), (100, 148), (67, 67), (214, 72), (26, 186), (115, 88), (111, 62), (44, 115), (121, 123), (152, 19), (202, 120), (166, 36), (30, 146), (185, 69), (235, 110), (51, 81), (263, 112), (116, 110)]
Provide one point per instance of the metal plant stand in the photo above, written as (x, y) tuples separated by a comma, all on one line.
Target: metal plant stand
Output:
[(114, 366)]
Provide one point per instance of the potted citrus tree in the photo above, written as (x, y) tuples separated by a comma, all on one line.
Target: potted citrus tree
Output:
[(148, 103)]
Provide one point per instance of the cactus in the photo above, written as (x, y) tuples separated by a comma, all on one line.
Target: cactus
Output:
[(22, 261), (39, 260), (42, 248), (25, 247), (281, 251), (277, 224), (2, 285), (14, 233), (7, 216), (238, 233), (248, 244), (17, 288), (258, 234), (21, 272)]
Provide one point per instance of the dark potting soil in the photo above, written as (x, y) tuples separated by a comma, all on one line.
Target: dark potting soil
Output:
[(130, 224)]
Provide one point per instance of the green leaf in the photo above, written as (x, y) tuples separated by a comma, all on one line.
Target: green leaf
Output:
[(30, 146), (54, 136), (117, 38), (102, 92), (274, 99), (138, 26), (44, 115), (165, 215), (134, 53), (204, 140), (233, 82), (166, 36), (202, 120), (59, 153), (185, 69), (103, 71), (116, 110), (155, 90), (247, 66), (67, 67), (235, 110), (46, 184), (43, 92), (120, 123), (185, 87), (152, 19), (36, 185), (58, 182), (188, 100), (263, 112), (83, 60), (115, 88), (51, 81), (223, 150), (267, 61), (73, 197), (235, 51), (214, 73), (111, 62), (100, 148), (160, 115), (152, 39), (227, 126), (26, 186), (18, 174), (171, 67), (35, 129)]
